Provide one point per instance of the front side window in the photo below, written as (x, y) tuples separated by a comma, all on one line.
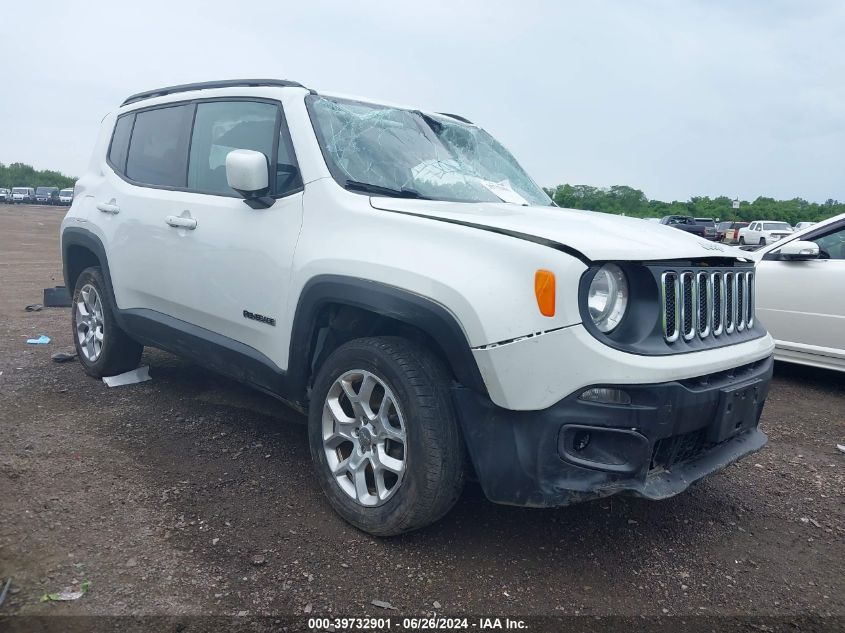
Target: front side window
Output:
[(406, 153), (158, 150), (832, 245), (219, 128)]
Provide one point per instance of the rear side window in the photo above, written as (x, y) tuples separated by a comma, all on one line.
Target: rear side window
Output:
[(219, 128), (158, 151), (120, 142)]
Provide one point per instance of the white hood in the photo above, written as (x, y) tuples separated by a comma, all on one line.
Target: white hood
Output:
[(598, 236)]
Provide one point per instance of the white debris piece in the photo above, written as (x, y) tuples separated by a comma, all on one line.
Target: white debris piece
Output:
[(141, 374)]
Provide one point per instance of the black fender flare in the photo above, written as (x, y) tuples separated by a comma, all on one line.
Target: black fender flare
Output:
[(78, 236), (385, 300)]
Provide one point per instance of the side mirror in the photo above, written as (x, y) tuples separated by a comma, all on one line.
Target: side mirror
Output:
[(798, 250), (247, 172)]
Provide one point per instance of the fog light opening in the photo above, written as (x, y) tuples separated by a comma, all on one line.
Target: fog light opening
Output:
[(581, 440), (603, 395)]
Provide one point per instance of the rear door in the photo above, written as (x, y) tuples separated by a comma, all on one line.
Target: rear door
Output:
[(802, 303), (148, 156)]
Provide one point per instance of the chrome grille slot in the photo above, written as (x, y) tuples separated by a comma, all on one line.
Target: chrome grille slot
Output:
[(703, 304), (749, 300), (704, 294), (730, 311), (671, 306), (718, 286), (689, 301)]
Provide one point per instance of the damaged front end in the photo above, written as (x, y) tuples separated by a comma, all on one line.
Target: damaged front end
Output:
[(660, 440)]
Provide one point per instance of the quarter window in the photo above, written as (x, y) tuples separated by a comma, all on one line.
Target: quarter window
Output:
[(158, 151), (120, 142), (288, 178)]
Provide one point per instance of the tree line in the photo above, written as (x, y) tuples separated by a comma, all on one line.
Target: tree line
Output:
[(624, 200), (22, 175), (619, 199)]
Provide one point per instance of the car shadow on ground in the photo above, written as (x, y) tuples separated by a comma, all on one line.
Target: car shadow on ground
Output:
[(806, 376)]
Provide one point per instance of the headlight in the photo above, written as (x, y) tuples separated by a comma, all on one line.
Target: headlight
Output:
[(607, 298)]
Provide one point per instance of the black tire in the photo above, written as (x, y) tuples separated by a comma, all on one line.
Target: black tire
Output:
[(762, 241), (435, 471), (119, 353), (742, 241)]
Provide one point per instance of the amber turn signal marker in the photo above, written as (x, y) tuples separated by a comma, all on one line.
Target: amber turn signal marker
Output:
[(544, 289)]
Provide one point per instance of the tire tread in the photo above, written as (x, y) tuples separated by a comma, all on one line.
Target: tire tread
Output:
[(428, 382)]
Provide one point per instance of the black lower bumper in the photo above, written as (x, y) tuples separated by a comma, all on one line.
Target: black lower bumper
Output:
[(670, 435)]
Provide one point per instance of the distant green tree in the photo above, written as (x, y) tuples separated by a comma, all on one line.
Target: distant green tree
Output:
[(22, 175), (621, 199)]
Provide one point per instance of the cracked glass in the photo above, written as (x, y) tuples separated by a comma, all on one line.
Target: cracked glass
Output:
[(383, 150)]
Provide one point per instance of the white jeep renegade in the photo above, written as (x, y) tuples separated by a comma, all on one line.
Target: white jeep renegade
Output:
[(396, 275)]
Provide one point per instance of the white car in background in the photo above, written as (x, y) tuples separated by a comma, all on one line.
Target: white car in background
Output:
[(763, 232), (803, 225), (801, 294), (66, 196)]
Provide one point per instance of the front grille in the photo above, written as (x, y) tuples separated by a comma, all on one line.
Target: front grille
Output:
[(706, 304)]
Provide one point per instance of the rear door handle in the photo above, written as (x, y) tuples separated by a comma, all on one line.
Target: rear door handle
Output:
[(181, 223), (108, 208)]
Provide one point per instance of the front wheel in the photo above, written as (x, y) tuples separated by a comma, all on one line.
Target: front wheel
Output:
[(384, 436)]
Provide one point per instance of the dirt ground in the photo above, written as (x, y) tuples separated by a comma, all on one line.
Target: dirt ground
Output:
[(191, 494)]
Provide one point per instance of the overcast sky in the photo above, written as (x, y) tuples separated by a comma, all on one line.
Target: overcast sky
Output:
[(677, 97)]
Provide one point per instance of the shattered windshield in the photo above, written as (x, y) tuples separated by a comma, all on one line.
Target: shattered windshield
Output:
[(391, 151)]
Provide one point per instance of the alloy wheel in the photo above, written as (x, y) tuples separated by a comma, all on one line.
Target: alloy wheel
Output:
[(364, 437), (89, 323)]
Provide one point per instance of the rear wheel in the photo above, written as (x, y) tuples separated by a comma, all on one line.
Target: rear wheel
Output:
[(384, 436), (742, 240), (762, 241), (102, 347)]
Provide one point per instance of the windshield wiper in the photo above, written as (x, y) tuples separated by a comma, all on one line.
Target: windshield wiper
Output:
[(368, 187)]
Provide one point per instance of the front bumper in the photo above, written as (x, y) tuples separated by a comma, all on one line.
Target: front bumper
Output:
[(671, 435)]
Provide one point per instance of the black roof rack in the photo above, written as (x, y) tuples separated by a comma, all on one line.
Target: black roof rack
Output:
[(208, 85)]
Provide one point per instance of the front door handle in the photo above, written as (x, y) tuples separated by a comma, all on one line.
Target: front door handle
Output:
[(181, 223), (108, 208)]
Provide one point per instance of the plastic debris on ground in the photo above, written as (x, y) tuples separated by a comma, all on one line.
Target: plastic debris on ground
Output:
[(67, 594), (34, 307), (63, 357), (141, 374), (42, 339), (382, 604)]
